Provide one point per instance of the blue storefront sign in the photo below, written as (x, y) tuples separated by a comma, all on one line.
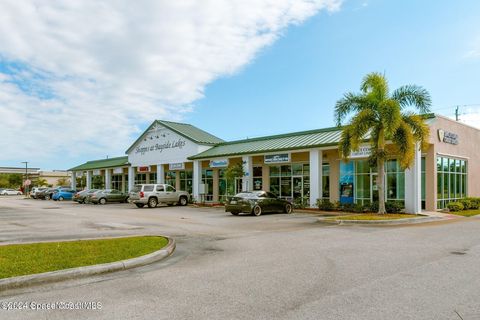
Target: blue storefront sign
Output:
[(219, 163), (346, 182)]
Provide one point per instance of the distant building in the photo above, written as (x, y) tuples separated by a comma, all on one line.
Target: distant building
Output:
[(52, 177)]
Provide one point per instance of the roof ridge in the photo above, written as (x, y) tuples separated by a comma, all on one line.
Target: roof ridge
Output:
[(281, 135), (114, 158)]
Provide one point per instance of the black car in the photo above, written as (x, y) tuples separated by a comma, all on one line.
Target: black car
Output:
[(46, 194), (256, 203)]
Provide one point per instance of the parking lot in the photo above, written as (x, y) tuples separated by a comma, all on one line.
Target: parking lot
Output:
[(274, 266)]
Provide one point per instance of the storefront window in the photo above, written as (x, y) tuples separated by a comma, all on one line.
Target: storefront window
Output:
[(186, 181), (152, 177), (140, 178), (117, 182), (326, 181), (207, 179), (170, 178), (257, 178), (290, 182), (451, 180)]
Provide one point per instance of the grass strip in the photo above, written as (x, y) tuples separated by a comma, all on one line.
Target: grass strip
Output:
[(388, 216), (23, 259), (466, 213)]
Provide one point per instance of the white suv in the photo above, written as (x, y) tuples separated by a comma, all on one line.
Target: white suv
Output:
[(153, 194)]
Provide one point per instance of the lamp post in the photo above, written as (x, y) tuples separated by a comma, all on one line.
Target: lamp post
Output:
[(26, 177)]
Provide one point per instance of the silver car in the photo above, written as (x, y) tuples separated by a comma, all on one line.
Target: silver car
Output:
[(153, 194)]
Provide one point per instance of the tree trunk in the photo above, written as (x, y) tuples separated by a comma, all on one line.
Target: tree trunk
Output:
[(381, 186)]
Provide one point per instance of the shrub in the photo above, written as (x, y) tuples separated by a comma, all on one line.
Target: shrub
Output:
[(393, 207), (325, 205), (455, 206), (467, 203), (300, 203), (474, 202)]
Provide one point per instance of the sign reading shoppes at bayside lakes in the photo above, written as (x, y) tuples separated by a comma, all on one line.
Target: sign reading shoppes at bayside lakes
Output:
[(160, 147), (277, 158)]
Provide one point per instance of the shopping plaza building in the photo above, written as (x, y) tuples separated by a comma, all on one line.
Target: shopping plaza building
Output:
[(299, 166)]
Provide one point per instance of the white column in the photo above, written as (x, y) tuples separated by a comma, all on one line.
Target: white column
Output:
[(73, 183), (316, 172), (197, 179), (160, 174), (108, 178), (413, 184), (131, 178), (247, 180), (89, 179)]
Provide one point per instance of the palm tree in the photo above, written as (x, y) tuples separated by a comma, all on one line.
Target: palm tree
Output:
[(379, 116)]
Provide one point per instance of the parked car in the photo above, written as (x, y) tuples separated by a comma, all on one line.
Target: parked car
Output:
[(63, 194), (11, 192), (46, 194), (80, 196), (256, 203), (106, 195), (153, 194), (35, 190)]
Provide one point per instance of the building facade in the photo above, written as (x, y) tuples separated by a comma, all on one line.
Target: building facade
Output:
[(300, 166)]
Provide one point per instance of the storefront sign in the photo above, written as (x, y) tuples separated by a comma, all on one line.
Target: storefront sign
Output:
[(96, 172), (277, 158), (176, 166), (447, 137), (161, 146), (143, 169), (118, 171), (362, 152), (219, 163)]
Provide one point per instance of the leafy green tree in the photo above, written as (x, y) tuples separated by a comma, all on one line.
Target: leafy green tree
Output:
[(63, 182), (40, 182), (378, 116), (232, 172)]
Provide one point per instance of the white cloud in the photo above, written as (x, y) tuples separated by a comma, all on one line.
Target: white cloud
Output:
[(471, 117), (92, 71)]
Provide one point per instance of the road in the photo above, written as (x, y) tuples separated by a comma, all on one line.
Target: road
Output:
[(268, 267)]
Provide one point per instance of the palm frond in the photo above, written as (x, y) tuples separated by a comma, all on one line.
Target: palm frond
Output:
[(375, 84), (420, 129), (413, 95), (405, 143), (345, 144), (363, 122), (390, 115), (349, 103)]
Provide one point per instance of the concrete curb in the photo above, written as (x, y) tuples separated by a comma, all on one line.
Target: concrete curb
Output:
[(381, 222), (60, 275)]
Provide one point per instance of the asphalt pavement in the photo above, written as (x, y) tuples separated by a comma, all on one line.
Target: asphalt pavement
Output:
[(274, 266)]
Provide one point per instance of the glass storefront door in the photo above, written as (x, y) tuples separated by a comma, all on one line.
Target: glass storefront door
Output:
[(297, 187), (374, 186)]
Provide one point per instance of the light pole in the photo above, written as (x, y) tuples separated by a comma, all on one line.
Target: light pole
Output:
[(26, 177)]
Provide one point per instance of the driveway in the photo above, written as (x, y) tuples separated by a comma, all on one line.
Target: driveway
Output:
[(268, 267)]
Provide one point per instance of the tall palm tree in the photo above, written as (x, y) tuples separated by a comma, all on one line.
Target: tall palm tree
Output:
[(379, 116)]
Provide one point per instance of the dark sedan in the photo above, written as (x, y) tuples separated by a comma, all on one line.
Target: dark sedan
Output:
[(46, 194), (107, 195), (256, 203)]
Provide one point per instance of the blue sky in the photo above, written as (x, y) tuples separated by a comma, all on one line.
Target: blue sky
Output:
[(236, 70), (294, 84)]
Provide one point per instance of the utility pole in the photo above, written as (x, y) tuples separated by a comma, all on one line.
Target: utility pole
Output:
[(456, 113), (26, 177)]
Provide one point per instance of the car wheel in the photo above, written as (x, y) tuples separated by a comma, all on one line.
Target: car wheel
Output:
[(126, 199), (152, 202), (288, 208), (183, 201), (47, 197), (139, 205), (18, 193), (102, 201), (60, 198), (257, 210), (235, 213)]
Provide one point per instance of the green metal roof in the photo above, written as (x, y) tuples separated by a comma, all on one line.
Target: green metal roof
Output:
[(103, 163), (282, 142), (184, 129)]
